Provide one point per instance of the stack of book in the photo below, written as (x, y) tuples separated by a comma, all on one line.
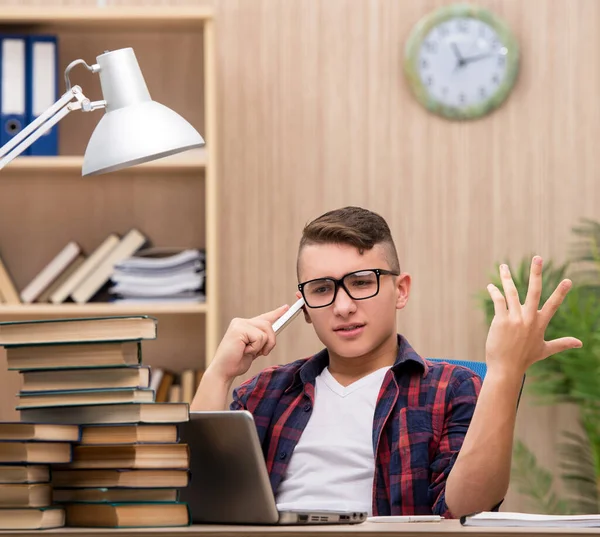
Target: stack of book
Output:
[(127, 465), (160, 275), (26, 451)]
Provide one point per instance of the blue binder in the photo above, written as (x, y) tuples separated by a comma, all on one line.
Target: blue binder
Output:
[(13, 86), (42, 88)]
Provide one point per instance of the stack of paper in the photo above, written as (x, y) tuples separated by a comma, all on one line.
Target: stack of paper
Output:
[(529, 520), (157, 275)]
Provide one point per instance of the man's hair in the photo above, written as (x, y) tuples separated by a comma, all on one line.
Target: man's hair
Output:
[(353, 226)]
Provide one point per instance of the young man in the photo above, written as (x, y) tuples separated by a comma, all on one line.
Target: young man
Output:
[(367, 424)]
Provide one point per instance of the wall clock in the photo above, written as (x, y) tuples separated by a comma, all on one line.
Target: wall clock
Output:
[(461, 61)]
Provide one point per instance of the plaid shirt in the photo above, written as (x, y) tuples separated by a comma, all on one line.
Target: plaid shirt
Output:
[(421, 417)]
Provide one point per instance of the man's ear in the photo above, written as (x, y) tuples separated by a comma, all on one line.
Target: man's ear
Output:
[(402, 290), (304, 309)]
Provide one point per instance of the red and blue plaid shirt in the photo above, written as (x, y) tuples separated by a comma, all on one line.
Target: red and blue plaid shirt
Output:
[(421, 417)]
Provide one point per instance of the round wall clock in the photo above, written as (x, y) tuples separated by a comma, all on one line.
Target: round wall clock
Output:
[(461, 61)]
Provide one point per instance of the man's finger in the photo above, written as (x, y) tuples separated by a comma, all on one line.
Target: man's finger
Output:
[(562, 344), (256, 339), (556, 299), (273, 315), (510, 292), (534, 291), (267, 328), (498, 300)]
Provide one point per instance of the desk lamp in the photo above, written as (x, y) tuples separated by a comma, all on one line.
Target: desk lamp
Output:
[(134, 129)]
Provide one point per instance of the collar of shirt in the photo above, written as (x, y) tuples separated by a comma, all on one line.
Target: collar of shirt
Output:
[(314, 366)]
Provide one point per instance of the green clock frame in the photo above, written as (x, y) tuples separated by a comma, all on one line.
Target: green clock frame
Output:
[(413, 49)]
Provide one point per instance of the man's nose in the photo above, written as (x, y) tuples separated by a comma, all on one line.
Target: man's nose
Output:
[(343, 304)]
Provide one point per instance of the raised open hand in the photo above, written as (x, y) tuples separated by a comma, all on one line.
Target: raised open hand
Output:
[(516, 337)]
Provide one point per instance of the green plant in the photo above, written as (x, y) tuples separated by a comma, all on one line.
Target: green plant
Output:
[(568, 377)]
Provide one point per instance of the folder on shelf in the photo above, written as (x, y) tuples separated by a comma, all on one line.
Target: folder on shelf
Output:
[(13, 86), (42, 89)]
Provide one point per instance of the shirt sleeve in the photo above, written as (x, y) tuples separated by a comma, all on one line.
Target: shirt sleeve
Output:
[(459, 411), (242, 394)]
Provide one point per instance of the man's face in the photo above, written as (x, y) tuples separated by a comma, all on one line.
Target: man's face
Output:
[(352, 328)]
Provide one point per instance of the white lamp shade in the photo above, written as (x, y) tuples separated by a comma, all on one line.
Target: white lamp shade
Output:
[(137, 134), (134, 129)]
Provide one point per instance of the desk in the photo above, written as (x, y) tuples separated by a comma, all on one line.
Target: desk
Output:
[(446, 528)]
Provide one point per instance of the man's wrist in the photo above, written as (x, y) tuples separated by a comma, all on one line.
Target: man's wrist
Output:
[(505, 374), (216, 378)]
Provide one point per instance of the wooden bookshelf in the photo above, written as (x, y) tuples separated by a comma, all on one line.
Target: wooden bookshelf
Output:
[(45, 203), (93, 309), (115, 17), (194, 161)]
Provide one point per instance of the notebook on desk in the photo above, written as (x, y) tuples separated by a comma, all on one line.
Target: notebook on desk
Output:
[(530, 520), (229, 480)]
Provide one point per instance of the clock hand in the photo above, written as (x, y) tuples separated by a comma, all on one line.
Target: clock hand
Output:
[(472, 59), (457, 53)]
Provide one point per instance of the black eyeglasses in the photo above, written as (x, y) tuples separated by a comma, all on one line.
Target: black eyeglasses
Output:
[(359, 285)]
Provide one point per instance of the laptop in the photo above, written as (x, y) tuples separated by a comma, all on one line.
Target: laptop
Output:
[(229, 482)]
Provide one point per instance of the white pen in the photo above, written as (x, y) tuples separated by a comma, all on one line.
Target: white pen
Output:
[(406, 518), (288, 316)]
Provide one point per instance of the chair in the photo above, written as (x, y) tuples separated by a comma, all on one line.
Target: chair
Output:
[(478, 367)]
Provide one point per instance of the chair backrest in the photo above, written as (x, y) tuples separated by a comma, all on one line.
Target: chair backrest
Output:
[(478, 367)]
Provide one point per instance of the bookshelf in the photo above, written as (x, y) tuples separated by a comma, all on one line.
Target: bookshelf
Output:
[(45, 203)]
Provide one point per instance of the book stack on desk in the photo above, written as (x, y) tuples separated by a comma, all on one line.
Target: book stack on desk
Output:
[(26, 451), (125, 468)]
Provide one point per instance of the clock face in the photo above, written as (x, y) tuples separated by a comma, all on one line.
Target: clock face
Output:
[(461, 62)]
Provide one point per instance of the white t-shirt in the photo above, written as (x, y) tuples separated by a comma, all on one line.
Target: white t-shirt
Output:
[(333, 464)]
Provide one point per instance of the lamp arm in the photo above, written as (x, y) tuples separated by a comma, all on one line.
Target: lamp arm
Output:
[(50, 117)]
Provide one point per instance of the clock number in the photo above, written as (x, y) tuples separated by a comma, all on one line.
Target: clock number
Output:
[(443, 30), (424, 64), (463, 25), (429, 81), (496, 79), (482, 92), (462, 98), (501, 61), (482, 30), (431, 47)]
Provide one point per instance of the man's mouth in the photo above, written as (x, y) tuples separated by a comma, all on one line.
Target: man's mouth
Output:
[(348, 327)]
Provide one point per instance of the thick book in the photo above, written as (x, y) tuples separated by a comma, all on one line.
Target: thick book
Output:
[(96, 279), (35, 452), (85, 379), (130, 457), (83, 397), (129, 434), (24, 473), (50, 272), (526, 520), (76, 330), (93, 260), (25, 495), (61, 279), (42, 518), (109, 414), (45, 432), (78, 355), (106, 495), (119, 478), (127, 515)]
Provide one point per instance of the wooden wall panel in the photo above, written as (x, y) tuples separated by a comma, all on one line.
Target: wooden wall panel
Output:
[(315, 114)]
